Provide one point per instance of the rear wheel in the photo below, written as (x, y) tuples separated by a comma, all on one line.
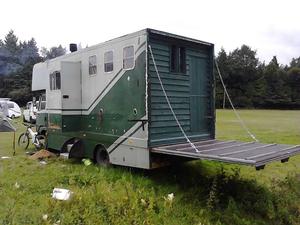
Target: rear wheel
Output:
[(102, 157), (23, 141), (42, 142)]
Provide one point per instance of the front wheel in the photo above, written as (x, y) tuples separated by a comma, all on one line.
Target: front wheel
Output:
[(23, 141)]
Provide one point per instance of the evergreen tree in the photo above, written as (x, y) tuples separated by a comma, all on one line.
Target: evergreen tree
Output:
[(277, 91), (294, 83), (242, 74), (223, 64), (295, 62), (11, 42), (53, 52)]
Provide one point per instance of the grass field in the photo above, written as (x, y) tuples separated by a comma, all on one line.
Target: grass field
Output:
[(205, 192)]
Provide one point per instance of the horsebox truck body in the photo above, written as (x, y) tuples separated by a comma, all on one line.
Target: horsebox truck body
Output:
[(106, 102)]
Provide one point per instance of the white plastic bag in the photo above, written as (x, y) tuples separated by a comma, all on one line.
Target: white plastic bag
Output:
[(61, 194)]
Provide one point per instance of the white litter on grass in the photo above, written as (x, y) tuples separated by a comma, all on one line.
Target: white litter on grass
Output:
[(5, 157), (57, 222), (170, 197), (64, 155), (144, 203), (45, 217), (61, 194), (17, 185), (43, 162)]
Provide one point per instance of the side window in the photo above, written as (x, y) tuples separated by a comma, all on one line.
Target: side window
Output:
[(55, 83), (128, 58), (92, 65), (178, 59), (43, 105), (108, 61)]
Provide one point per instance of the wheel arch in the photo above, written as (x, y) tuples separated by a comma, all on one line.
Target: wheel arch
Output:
[(77, 150)]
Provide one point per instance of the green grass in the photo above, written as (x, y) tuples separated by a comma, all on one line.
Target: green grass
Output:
[(205, 192)]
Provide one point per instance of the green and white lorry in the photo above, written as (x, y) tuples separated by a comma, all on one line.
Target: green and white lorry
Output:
[(140, 100)]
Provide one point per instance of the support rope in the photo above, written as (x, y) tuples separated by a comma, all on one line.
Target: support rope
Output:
[(232, 106)]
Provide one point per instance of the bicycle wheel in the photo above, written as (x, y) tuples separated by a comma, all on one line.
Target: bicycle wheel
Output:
[(41, 142), (23, 141)]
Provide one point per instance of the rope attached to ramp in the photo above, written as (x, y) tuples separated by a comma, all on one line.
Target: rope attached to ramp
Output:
[(232, 106)]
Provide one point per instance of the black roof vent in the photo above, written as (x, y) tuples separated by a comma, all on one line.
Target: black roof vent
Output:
[(73, 47)]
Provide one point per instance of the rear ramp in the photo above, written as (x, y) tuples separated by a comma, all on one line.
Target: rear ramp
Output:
[(247, 153)]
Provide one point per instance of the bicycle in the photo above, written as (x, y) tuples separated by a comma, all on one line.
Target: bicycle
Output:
[(38, 140)]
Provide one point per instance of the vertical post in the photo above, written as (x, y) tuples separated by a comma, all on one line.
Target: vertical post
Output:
[(14, 144), (224, 99)]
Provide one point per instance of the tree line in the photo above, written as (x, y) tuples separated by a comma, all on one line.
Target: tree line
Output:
[(17, 59), (250, 82), (255, 84)]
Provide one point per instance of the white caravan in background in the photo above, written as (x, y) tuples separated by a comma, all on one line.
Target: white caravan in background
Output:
[(10, 108), (29, 113)]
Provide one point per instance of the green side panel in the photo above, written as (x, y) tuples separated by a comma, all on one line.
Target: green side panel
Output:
[(56, 140), (111, 117), (41, 119), (71, 123), (124, 102), (190, 94)]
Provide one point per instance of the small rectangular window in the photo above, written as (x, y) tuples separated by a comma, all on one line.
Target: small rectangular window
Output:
[(92, 65), (57, 80), (55, 83), (108, 61), (128, 58), (182, 60), (43, 105), (174, 58), (178, 59)]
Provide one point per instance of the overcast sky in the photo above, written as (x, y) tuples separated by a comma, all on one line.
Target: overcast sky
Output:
[(270, 27)]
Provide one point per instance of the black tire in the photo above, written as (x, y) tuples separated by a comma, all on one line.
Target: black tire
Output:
[(42, 140), (12, 116), (24, 119), (101, 157), (23, 141)]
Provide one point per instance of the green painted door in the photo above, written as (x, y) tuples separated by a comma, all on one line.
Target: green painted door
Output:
[(199, 95)]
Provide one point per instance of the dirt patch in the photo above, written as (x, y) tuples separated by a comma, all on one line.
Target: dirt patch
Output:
[(42, 154)]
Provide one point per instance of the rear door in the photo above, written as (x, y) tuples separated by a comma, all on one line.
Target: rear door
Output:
[(71, 86), (189, 92), (199, 95)]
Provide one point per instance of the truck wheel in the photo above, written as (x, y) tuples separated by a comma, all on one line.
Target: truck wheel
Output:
[(101, 157), (24, 119), (12, 116)]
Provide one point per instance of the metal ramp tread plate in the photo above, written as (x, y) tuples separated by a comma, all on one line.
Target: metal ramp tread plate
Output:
[(247, 153)]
